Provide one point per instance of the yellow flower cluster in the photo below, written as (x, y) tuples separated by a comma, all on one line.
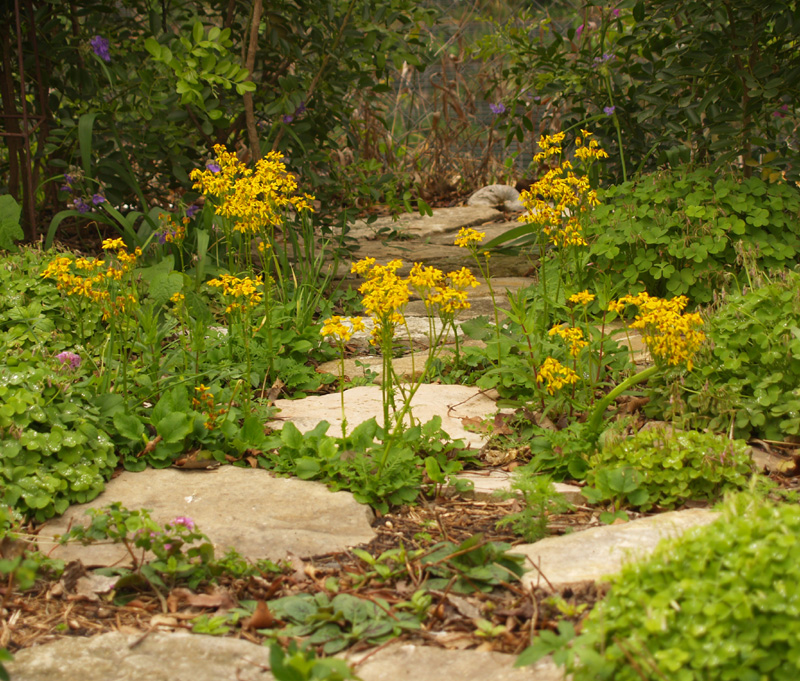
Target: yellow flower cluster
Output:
[(670, 335), (252, 198), (94, 284), (573, 336), (590, 151), (244, 291), (342, 328), (561, 194), (385, 294), (204, 402), (469, 238), (582, 298), (173, 232), (446, 294), (556, 375)]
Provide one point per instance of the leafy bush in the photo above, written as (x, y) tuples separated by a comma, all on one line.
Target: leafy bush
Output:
[(748, 374), (681, 232), (52, 451), (722, 602), (661, 468)]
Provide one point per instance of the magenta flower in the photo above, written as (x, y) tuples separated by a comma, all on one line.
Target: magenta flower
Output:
[(781, 112), (100, 47), (578, 32), (69, 359), (615, 12), (188, 523)]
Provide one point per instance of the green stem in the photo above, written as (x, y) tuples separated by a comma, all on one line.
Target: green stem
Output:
[(596, 417)]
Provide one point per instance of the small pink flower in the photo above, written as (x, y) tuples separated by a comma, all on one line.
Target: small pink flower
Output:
[(188, 523)]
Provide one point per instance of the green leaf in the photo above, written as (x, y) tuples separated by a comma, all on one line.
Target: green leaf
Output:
[(129, 426), (174, 427), (10, 229)]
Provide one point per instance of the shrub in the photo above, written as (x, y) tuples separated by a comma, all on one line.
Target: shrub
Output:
[(659, 468), (722, 602), (748, 374)]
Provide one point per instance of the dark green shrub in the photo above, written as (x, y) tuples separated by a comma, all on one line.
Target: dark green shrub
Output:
[(682, 232), (662, 468), (748, 374), (722, 602)]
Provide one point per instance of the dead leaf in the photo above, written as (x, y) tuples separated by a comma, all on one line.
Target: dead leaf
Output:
[(197, 459), (72, 573), (298, 566), (150, 446), (220, 599), (161, 620), (476, 424), (262, 618), (464, 607)]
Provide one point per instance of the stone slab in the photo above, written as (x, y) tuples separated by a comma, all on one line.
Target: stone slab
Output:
[(160, 656), (487, 483), (407, 662), (451, 402), (181, 656), (598, 552), (443, 220), (259, 515)]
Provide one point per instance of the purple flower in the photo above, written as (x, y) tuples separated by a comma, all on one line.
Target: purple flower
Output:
[(69, 358), (192, 210), (498, 108), (97, 199), (609, 110), (65, 188), (602, 60), (300, 109), (213, 167), (100, 47), (288, 118), (81, 206), (781, 112), (188, 523)]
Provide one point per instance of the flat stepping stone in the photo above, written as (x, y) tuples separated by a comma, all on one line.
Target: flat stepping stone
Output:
[(181, 656), (259, 515), (451, 402), (488, 483), (598, 552), (160, 656), (407, 662), (443, 220)]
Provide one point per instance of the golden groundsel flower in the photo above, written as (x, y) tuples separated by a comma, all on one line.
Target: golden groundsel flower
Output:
[(556, 375), (669, 334)]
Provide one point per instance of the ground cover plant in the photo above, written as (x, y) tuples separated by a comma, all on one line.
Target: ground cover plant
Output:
[(734, 614)]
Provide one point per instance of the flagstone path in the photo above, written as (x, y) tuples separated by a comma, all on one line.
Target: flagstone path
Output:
[(267, 517)]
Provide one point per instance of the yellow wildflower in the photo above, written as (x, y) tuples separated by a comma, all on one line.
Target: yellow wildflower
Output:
[(582, 298), (468, 237), (669, 334), (111, 244), (573, 336), (556, 375)]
